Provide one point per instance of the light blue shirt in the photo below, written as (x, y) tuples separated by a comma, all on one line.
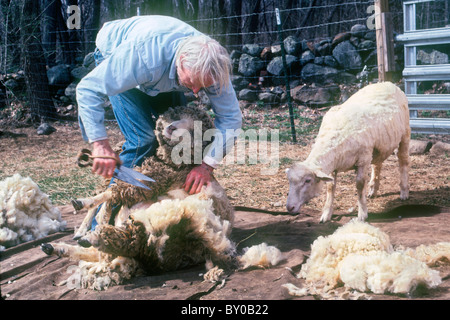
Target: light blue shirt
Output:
[(139, 53)]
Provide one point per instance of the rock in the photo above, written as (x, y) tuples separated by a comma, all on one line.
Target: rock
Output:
[(316, 96), (235, 56), (359, 30), (330, 61), (89, 61), (307, 57), (249, 66), (275, 67), (268, 97), (365, 47), (292, 46), (71, 91), (347, 56), (239, 82), (59, 75), (371, 35), (248, 95), (324, 48), (419, 147), (304, 45), (340, 37), (440, 148), (252, 49), (313, 73), (433, 57), (319, 60), (347, 78), (266, 53), (45, 129), (354, 41), (276, 50), (78, 73)]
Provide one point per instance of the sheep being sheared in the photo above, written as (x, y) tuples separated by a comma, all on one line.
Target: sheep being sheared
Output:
[(363, 131), (161, 229)]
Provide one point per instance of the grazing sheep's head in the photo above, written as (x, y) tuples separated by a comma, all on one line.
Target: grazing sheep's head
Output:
[(182, 128), (305, 183)]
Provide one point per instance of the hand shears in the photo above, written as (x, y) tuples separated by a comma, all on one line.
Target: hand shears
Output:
[(123, 173)]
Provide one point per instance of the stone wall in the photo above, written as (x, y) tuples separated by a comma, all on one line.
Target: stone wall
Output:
[(318, 70)]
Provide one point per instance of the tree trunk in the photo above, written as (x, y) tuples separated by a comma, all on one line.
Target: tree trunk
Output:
[(41, 104)]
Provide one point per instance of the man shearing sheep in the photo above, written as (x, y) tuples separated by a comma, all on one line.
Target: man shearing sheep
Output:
[(144, 64)]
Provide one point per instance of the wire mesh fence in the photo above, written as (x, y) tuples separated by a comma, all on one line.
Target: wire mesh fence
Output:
[(319, 53)]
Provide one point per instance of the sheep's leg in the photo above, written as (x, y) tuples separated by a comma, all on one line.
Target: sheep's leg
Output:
[(88, 203), (86, 224), (122, 216), (374, 183), (361, 182), (327, 211), (125, 241), (92, 205), (104, 214), (72, 252), (403, 161)]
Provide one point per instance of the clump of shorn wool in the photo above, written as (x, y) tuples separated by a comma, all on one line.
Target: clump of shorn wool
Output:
[(262, 255), (361, 257), (26, 213)]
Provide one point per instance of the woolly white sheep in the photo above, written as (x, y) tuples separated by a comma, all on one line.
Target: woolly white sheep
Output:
[(361, 132), (26, 213)]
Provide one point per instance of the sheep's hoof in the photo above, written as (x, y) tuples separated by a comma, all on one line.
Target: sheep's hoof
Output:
[(76, 237), (47, 248), (77, 204), (85, 243)]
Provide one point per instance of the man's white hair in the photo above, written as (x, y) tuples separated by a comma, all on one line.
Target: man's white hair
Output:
[(206, 58)]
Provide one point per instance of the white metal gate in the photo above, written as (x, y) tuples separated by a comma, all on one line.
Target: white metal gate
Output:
[(413, 73)]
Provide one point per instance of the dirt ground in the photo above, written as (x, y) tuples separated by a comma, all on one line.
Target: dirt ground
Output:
[(423, 219)]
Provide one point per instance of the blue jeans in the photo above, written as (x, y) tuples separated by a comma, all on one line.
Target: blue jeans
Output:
[(136, 114)]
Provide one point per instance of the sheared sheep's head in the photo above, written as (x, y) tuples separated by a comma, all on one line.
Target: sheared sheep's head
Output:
[(176, 134), (305, 183)]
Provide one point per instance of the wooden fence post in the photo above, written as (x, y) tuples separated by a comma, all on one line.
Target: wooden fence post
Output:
[(385, 40)]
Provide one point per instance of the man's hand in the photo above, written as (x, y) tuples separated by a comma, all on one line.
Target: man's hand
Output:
[(197, 178), (103, 166)]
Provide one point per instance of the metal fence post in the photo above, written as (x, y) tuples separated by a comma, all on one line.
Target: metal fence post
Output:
[(286, 77)]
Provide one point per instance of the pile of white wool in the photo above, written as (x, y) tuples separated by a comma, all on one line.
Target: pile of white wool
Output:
[(26, 213), (362, 258)]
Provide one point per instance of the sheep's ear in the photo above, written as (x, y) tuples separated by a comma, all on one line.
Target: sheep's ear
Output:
[(322, 176), (171, 129), (181, 124)]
